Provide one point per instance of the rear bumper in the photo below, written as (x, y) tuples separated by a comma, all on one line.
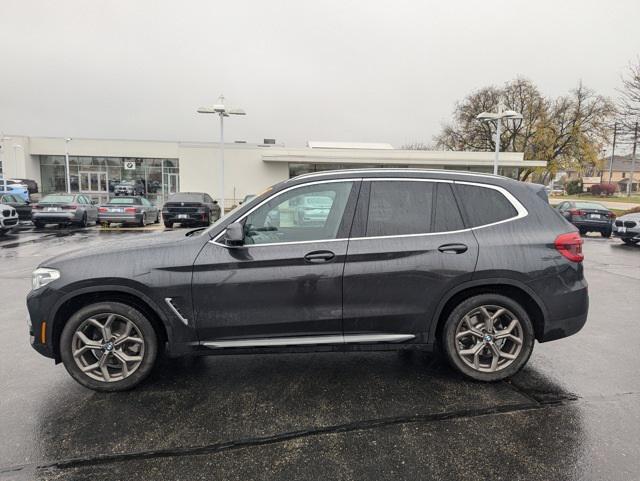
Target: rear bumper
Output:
[(55, 217), (120, 218), (594, 225), (192, 217), (568, 314)]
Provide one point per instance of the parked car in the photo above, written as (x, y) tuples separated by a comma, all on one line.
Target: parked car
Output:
[(128, 210), (65, 209), (588, 216), (479, 265), (31, 184), (21, 190), (627, 228), (190, 208), (8, 219), (129, 187), (312, 210), (22, 207), (247, 198)]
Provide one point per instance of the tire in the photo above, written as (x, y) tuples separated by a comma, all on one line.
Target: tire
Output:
[(38, 225), (144, 356), (157, 221), (606, 234), (479, 341), (83, 222), (582, 232), (168, 225), (630, 242), (143, 220)]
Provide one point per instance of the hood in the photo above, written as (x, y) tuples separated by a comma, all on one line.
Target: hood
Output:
[(122, 245), (635, 216)]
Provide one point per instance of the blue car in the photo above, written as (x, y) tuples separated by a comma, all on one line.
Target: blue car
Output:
[(19, 190)]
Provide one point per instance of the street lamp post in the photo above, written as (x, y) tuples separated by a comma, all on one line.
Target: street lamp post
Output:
[(66, 163), (497, 117), (222, 111)]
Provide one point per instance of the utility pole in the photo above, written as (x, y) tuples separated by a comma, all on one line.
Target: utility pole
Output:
[(613, 150), (633, 160)]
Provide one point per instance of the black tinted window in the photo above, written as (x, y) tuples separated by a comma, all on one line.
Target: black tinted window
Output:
[(483, 205), (186, 197), (448, 216), (399, 207)]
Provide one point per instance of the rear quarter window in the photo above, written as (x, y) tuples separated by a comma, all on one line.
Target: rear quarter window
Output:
[(483, 205)]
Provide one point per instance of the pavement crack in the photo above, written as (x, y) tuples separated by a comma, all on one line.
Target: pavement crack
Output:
[(290, 435)]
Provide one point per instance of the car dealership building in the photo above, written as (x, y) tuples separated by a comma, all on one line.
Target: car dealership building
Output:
[(165, 167)]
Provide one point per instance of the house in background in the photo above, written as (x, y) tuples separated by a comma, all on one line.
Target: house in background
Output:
[(620, 173)]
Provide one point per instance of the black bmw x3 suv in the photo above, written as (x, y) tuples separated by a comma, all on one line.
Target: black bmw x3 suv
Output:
[(478, 266)]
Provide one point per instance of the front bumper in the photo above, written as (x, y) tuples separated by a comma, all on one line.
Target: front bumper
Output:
[(627, 232), (40, 306)]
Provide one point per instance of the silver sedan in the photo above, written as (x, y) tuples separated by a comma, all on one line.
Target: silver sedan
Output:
[(128, 210)]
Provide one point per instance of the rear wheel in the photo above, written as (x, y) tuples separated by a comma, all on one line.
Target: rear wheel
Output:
[(582, 231), (488, 337), (606, 234), (83, 222), (143, 220), (168, 225), (108, 346), (157, 221)]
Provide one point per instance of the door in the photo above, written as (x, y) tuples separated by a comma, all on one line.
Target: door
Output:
[(286, 281), (408, 248), (172, 184)]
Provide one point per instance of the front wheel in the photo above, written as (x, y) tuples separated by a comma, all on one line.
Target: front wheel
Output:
[(108, 346), (488, 337), (606, 234)]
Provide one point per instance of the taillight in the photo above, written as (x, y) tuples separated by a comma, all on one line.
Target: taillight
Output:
[(611, 215), (36, 206), (130, 210), (103, 209), (570, 246), (576, 212), (70, 207)]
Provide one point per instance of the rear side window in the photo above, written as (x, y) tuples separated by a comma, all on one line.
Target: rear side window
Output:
[(447, 217), (398, 208), (483, 205)]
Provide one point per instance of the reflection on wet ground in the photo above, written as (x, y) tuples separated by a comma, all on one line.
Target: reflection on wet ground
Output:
[(571, 414)]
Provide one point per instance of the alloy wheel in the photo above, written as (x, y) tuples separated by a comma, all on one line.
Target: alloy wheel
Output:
[(108, 347), (489, 338)]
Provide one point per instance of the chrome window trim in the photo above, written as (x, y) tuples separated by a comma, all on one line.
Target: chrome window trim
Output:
[(520, 209), (308, 340)]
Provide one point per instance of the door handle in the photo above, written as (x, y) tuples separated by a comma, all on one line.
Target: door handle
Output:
[(317, 257), (453, 248)]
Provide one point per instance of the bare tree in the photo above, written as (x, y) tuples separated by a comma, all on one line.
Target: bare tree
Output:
[(630, 94), (566, 132), (417, 146)]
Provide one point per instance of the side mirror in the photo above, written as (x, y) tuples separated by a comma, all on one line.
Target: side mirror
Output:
[(234, 235)]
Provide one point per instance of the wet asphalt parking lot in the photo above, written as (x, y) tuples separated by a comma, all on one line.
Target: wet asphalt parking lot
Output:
[(572, 414)]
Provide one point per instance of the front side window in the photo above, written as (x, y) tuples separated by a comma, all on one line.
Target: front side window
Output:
[(483, 205), (309, 213), (400, 208)]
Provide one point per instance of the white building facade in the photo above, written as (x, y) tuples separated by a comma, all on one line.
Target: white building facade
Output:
[(96, 165)]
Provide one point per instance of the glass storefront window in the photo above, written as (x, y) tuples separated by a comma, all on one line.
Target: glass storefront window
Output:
[(98, 176)]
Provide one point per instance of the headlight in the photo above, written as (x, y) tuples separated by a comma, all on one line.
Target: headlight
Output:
[(43, 276)]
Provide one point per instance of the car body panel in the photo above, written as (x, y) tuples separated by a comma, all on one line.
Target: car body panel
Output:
[(203, 290), (627, 227)]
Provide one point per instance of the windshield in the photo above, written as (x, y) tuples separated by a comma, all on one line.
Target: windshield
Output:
[(57, 199), (124, 201)]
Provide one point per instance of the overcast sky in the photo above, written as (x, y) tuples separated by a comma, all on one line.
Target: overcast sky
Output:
[(323, 70)]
